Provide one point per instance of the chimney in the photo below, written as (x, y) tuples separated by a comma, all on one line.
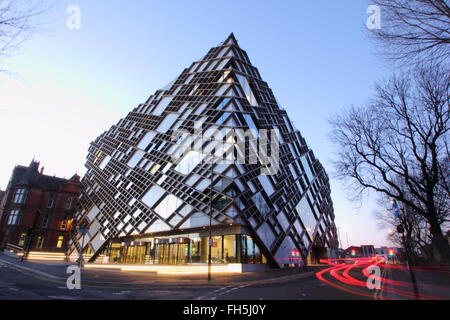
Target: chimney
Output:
[(42, 170)]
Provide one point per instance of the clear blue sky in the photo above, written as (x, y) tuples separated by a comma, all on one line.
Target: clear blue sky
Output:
[(71, 85)]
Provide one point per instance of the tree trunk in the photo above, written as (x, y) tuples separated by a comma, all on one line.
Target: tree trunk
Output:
[(439, 241)]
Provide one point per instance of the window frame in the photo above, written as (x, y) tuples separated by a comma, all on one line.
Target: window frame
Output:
[(20, 195), (69, 202), (52, 198), (14, 217)]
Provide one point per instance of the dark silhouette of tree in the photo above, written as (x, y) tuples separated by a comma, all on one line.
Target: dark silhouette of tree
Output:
[(19, 19), (396, 145), (414, 31), (417, 238)]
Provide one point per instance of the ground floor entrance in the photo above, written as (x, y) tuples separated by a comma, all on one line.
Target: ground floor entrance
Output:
[(171, 253), (191, 248)]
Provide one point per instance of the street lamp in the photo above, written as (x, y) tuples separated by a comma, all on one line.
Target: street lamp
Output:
[(83, 231), (401, 230), (30, 234), (210, 224)]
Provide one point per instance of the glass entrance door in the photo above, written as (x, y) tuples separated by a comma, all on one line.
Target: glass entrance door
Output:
[(172, 253)]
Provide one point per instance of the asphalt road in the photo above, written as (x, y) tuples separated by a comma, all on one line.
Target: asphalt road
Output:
[(307, 288), (346, 281), (17, 285)]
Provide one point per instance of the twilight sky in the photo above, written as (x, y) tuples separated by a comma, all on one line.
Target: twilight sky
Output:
[(68, 86)]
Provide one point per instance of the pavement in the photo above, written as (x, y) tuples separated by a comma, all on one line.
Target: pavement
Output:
[(117, 278), (44, 280), (424, 283)]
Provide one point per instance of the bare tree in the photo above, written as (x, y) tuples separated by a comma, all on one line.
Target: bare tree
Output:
[(18, 20), (414, 31), (401, 134), (417, 238)]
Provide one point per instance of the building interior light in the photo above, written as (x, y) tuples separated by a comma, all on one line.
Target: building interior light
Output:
[(171, 269)]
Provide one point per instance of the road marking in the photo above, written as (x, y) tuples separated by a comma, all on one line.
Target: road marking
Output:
[(62, 298), (14, 289), (122, 292), (378, 294), (220, 292)]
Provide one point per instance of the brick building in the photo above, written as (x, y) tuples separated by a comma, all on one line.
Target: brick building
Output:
[(32, 198)]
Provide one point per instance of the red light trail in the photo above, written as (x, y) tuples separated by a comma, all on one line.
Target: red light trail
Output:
[(350, 275)]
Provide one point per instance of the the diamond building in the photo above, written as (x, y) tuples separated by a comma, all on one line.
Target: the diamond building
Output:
[(210, 156)]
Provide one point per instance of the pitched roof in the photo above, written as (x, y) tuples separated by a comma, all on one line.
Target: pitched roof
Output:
[(31, 177)]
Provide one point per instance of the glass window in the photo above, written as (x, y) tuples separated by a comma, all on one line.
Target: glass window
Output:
[(261, 203), (167, 123), (229, 249), (249, 120), (69, 203), (221, 203), (14, 216), (216, 249), (155, 168), (223, 103), (189, 162), (223, 117), (39, 242), (247, 90), (267, 184), (307, 168), (137, 156), (143, 144), (51, 201), (20, 195), (159, 109), (197, 219), (222, 184), (45, 221), (222, 90), (196, 252), (153, 195), (60, 242), (306, 215), (250, 251), (104, 162), (22, 238), (168, 206)]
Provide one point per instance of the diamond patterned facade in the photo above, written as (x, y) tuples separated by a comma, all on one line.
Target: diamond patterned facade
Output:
[(142, 206)]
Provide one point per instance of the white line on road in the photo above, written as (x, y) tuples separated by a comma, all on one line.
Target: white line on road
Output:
[(122, 292), (62, 298)]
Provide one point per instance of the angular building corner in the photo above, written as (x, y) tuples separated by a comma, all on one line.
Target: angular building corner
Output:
[(158, 187)]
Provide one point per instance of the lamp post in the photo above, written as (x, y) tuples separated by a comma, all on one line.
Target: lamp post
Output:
[(82, 231), (401, 230), (210, 225), (30, 234)]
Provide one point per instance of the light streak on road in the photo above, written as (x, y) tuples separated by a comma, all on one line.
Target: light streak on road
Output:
[(351, 274)]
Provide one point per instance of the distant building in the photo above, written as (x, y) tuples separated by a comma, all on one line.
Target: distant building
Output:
[(352, 252), (368, 251), (360, 252), (32, 198), (388, 253)]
